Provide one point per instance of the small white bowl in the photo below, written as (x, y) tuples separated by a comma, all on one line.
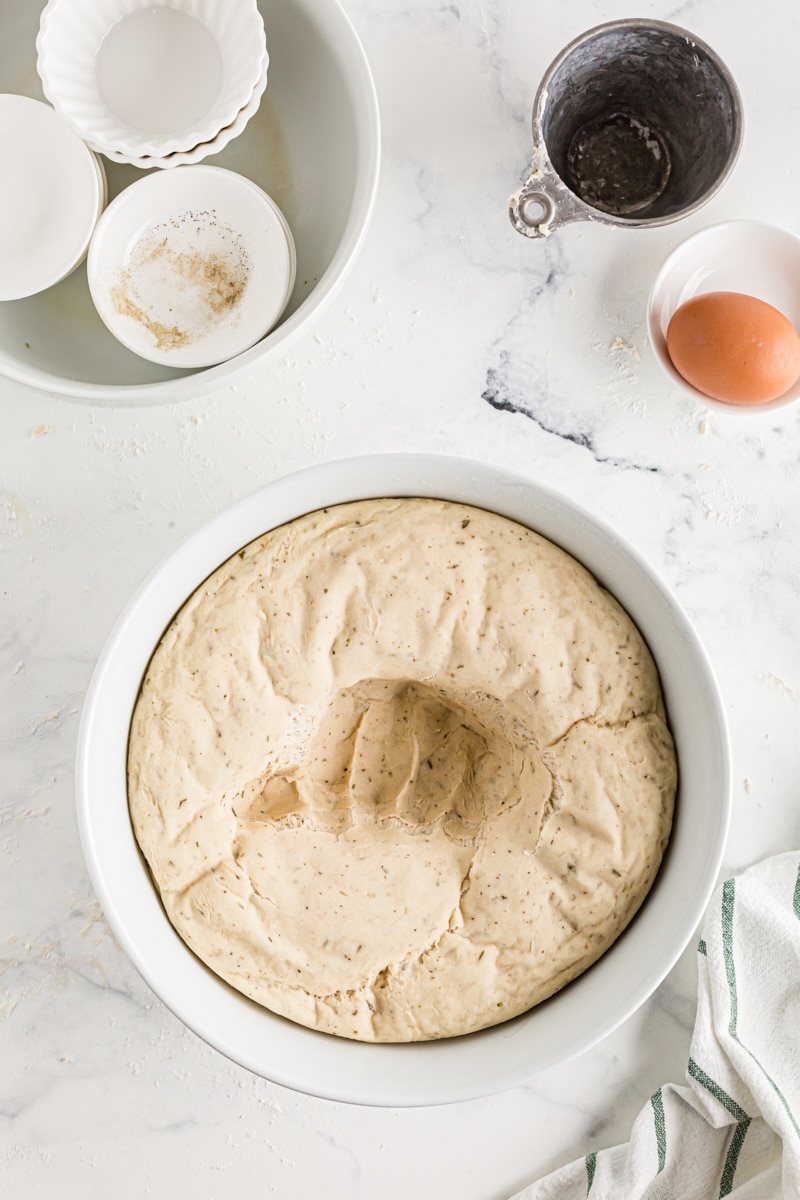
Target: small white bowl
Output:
[(52, 191), (181, 158), (191, 267), (457, 1068), (143, 78), (752, 257)]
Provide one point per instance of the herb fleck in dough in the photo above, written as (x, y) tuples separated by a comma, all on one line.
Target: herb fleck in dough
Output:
[(401, 770)]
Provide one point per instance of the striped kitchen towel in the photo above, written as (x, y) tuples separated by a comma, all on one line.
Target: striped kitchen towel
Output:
[(734, 1130)]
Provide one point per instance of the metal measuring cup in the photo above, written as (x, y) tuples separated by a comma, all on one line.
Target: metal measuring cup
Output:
[(635, 123)]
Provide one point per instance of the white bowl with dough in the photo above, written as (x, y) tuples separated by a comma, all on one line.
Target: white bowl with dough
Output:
[(478, 1063)]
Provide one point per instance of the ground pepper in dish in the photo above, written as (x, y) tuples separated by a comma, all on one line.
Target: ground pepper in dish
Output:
[(183, 277)]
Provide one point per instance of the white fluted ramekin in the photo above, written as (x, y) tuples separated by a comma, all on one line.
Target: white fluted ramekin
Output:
[(143, 78), (180, 158)]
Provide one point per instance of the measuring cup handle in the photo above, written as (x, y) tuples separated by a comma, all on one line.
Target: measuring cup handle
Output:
[(543, 204)]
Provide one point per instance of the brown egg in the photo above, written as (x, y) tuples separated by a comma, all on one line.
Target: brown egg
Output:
[(734, 347)]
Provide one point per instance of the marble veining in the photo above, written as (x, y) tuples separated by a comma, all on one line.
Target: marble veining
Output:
[(496, 394)]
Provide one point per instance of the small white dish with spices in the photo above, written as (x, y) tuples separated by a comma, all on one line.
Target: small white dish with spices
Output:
[(192, 266)]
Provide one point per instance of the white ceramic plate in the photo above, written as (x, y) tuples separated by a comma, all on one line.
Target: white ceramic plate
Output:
[(192, 266), (52, 191), (317, 123), (752, 257), (457, 1068)]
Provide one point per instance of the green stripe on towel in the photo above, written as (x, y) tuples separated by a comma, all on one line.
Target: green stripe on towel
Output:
[(742, 1125), (736, 1110), (732, 1157), (728, 900), (591, 1166), (659, 1124), (728, 903)]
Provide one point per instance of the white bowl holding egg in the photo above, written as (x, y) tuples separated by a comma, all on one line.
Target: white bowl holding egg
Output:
[(753, 258), (456, 1068), (313, 146)]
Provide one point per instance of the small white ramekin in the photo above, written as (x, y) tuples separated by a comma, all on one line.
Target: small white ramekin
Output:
[(191, 267), (197, 154), (52, 192), (752, 257), (142, 78)]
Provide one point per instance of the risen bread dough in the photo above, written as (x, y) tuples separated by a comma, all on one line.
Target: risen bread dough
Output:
[(400, 770)]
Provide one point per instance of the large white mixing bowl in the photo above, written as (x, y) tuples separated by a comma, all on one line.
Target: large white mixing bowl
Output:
[(313, 145), (456, 1068)]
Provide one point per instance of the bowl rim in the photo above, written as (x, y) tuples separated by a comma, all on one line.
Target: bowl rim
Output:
[(411, 1074), (203, 381), (740, 226)]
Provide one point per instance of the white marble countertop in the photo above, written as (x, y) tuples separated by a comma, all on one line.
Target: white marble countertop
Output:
[(453, 334)]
